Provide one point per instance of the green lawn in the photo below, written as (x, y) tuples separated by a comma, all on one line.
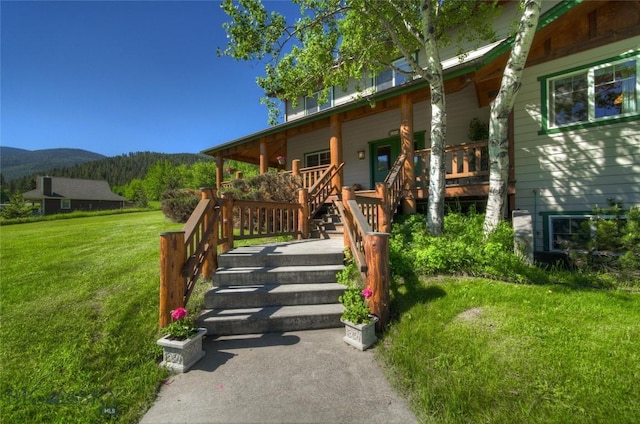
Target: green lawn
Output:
[(481, 351), (79, 313)]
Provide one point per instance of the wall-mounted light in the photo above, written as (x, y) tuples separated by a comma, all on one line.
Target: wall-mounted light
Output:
[(360, 154)]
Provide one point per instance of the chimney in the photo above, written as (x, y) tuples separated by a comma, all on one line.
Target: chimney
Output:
[(46, 186)]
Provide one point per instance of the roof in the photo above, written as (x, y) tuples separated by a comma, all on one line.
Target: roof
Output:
[(74, 188)]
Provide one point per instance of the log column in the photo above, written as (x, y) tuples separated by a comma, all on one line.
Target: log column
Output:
[(172, 257), (219, 170), (406, 137), (264, 159), (376, 250), (335, 144)]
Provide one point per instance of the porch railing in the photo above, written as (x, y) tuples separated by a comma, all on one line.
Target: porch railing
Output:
[(466, 163)]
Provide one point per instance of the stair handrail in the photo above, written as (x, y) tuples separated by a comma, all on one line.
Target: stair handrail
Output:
[(322, 189), (395, 182), (370, 250), (187, 254)]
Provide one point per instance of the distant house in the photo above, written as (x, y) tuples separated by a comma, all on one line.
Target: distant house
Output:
[(60, 195)]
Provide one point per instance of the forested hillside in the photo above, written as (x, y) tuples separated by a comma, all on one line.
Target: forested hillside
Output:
[(116, 170), (16, 163)]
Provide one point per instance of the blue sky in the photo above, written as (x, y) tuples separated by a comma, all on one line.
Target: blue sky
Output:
[(115, 77)]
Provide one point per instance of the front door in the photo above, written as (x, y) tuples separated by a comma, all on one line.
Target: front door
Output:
[(383, 154)]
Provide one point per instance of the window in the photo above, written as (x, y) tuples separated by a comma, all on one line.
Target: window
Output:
[(317, 158), (65, 203), (565, 229), (312, 105), (593, 94), (391, 77)]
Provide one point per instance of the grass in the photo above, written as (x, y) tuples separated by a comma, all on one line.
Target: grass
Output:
[(474, 350), (79, 308)]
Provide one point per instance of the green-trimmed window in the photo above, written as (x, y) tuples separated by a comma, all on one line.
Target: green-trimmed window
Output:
[(65, 203), (597, 93)]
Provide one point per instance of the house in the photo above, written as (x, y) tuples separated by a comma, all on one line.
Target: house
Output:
[(574, 133), (61, 195)]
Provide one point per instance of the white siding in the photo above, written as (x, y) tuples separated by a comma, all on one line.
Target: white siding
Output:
[(573, 170), (356, 135)]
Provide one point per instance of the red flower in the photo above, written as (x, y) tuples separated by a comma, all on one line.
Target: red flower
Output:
[(367, 293), (178, 314)]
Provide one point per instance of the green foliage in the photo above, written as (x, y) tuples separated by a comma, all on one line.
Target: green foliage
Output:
[(478, 130), (180, 328), (356, 310), (610, 243), (16, 208), (334, 41), (272, 186), (178, 205)]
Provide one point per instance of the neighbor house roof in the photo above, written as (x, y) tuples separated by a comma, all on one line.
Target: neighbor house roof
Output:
[(73, 188)]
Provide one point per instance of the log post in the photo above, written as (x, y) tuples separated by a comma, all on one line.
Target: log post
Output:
[(384, 219), (296, 164), (264, 161), (347, 194), (209, 230), (335, 147), (172, 258), (227, 222), (376, 250), (408, 168), (303, 213), (219, 170)]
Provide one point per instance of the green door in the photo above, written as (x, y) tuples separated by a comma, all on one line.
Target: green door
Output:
[(383, 154)]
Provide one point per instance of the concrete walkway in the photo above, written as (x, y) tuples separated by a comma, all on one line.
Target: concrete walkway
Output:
[(296, 377)]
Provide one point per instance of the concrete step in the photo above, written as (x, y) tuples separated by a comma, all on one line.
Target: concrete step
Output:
[(230, 297), (251, 275), (294, 253), (221, 322)]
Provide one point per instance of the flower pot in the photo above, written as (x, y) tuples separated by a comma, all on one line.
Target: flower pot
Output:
[(180, 355), (360, 336)]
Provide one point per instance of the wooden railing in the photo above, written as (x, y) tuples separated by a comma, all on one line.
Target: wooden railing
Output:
[(395, 182), (465, 163), (322, 189), (310, 176), (370, 251), (187, 254)]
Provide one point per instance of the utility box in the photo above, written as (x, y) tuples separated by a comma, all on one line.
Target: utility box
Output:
[(523, 234)]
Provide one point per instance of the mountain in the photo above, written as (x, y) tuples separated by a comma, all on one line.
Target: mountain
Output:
[(16, 163)]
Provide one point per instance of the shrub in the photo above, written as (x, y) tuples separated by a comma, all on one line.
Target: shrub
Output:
[(17, 208), (178, 205), (272, 186)]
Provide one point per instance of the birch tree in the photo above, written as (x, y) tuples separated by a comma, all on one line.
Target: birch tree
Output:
[(337, 41), (500, 111)]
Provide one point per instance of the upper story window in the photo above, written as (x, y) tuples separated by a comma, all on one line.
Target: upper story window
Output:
[(313, 105), (391, 77), (593, 94)]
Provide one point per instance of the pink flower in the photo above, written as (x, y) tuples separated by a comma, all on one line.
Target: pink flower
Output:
[(367, 293), (178, 314)]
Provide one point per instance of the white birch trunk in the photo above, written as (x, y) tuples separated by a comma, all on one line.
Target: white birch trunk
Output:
[(433, 74), (501, 109)]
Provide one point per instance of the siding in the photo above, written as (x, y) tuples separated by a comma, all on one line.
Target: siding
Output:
[(356, 135), (573, 170)]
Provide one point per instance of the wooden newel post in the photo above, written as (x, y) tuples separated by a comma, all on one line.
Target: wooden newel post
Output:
[(347, 194), (376, 248), (296, 164), (384, 220), (210, 229), (303, 213), (172, 258)]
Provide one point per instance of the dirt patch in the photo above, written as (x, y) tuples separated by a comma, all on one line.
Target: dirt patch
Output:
[(470, 314)]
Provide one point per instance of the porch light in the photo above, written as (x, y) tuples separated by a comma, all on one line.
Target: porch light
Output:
[(360, 154), (281, 160)]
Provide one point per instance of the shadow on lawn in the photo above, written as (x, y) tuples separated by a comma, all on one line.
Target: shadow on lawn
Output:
[(409, 291)]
